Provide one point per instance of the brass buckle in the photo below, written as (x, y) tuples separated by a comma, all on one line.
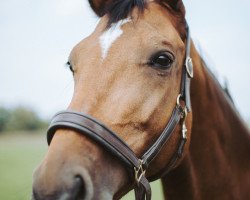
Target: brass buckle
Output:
[(178, 103), (184, 128), (183, 116), (183, 107), (139, 172)]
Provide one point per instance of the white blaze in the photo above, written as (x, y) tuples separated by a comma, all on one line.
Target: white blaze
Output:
[(110, 36)]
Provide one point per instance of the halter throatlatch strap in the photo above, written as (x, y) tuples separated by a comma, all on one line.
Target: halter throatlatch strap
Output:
[(187, 73), (152, 152), (110, 141)]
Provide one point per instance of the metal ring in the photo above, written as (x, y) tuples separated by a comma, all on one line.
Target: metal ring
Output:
[(178, 100), (184, 108)]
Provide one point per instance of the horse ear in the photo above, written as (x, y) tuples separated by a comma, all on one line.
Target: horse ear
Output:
[(175, 5), (99, 6)]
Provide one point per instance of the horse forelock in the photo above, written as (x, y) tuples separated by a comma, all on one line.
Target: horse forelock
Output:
[(122, 9)]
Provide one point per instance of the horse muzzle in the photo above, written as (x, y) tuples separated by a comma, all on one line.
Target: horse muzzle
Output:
[(74, 183), (75, 168)]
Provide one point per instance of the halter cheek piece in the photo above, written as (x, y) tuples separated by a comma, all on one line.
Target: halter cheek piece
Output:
[(94, 129)]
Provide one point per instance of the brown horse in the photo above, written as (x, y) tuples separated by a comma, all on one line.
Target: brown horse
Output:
[(127, 75)]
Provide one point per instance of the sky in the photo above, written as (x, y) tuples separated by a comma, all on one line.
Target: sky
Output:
[(36, 38)]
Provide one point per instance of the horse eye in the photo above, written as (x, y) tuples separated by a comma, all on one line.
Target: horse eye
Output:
[(163, 61)]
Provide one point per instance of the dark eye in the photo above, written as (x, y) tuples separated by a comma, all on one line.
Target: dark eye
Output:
[(163, 60), (68, 64)]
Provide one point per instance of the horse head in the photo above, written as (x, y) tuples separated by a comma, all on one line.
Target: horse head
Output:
[(127, 75)]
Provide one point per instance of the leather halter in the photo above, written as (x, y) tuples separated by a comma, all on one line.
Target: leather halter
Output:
[(106, 138)]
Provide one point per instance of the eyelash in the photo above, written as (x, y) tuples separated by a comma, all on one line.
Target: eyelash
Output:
[(68, 65)]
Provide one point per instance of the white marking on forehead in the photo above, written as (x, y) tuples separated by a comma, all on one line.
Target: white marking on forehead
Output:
[(110, 36)]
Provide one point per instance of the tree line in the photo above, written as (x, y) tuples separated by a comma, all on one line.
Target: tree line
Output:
[(20, 119)]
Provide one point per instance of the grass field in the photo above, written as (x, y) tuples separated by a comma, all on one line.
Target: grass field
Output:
[(20, 153)]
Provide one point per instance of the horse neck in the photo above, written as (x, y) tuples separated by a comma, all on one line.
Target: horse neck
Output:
[(217, 165)]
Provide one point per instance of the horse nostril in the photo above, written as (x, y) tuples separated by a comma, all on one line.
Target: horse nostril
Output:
[(79, 190), (68, 184)]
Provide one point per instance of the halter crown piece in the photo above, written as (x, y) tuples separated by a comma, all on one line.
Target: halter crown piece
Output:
[(87, 125)]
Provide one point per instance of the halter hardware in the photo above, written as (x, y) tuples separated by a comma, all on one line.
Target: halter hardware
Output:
[(184, 127), (139, 172), (178, 102), (189, 67), (183, 116)]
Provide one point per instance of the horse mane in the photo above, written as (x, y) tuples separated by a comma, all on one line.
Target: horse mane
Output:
[(224, 88)]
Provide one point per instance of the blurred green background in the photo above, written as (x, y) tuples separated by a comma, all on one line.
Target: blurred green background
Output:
[(21, 151)]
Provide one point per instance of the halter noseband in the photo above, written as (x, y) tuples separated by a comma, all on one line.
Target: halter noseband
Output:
[(95, 130)]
